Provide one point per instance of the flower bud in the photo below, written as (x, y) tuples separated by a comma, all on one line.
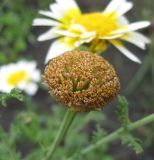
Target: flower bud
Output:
[(81, 80)]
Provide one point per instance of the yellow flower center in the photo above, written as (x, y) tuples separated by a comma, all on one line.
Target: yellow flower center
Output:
[(102, 23), (69, 17), (69, 41), (16, 77)]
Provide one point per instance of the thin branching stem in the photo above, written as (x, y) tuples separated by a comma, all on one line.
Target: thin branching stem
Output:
[(67, 121), (116, 134)]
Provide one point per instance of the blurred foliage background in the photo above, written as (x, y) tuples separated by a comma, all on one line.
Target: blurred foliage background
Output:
[(27, 129)]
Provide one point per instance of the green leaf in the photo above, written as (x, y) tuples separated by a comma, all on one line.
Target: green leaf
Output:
[(132, 142), (123, 116), (98, 133), (122, 112), (14, 93)]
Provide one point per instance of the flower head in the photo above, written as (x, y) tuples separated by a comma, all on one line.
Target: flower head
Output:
[(81, 80), (72, 28), (22, 75)]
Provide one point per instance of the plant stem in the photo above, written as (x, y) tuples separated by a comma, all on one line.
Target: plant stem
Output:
[(68, 119), (116, 134)]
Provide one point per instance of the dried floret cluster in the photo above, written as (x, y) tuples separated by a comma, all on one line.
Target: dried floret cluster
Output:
[(81, 80)]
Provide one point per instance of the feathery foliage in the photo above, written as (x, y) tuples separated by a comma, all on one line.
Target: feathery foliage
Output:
[(123, 116), (14, 93)]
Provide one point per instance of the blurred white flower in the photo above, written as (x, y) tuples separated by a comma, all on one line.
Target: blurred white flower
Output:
[(22, 75), (71, 28)]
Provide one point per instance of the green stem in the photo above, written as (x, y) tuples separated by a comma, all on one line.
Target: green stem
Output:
[(116, 134), (68, 119)]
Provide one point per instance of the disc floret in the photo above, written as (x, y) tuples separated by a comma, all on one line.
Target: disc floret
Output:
[(81, 80)]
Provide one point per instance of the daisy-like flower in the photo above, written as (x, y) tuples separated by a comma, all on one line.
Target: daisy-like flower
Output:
[(71, 28), (22, 75)]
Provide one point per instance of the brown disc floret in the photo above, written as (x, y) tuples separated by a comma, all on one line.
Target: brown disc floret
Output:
[(81, 80)]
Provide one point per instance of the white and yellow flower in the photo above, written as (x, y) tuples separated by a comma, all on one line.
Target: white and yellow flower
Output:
[(22, 75), (71, 28)]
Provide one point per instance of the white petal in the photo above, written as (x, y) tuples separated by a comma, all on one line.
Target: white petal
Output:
[(48, 14), (4, 87), (66, 33), (22, 85), (56, 49), (78, 43), (77, 27), (119, 6), (27, 66), (112, 36), (44, 22), (57, 10), (133, 41), (50, 34), (125, 51), (140, 37), (132, 27), (113, 5), (31, 88), (67, 4), (88, 35), (62, 6), (138, 25), (122, 20), (36, 76), (124, 8), (137, 39)]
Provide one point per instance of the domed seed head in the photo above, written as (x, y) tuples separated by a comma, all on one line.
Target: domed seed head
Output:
[(81, 80)]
